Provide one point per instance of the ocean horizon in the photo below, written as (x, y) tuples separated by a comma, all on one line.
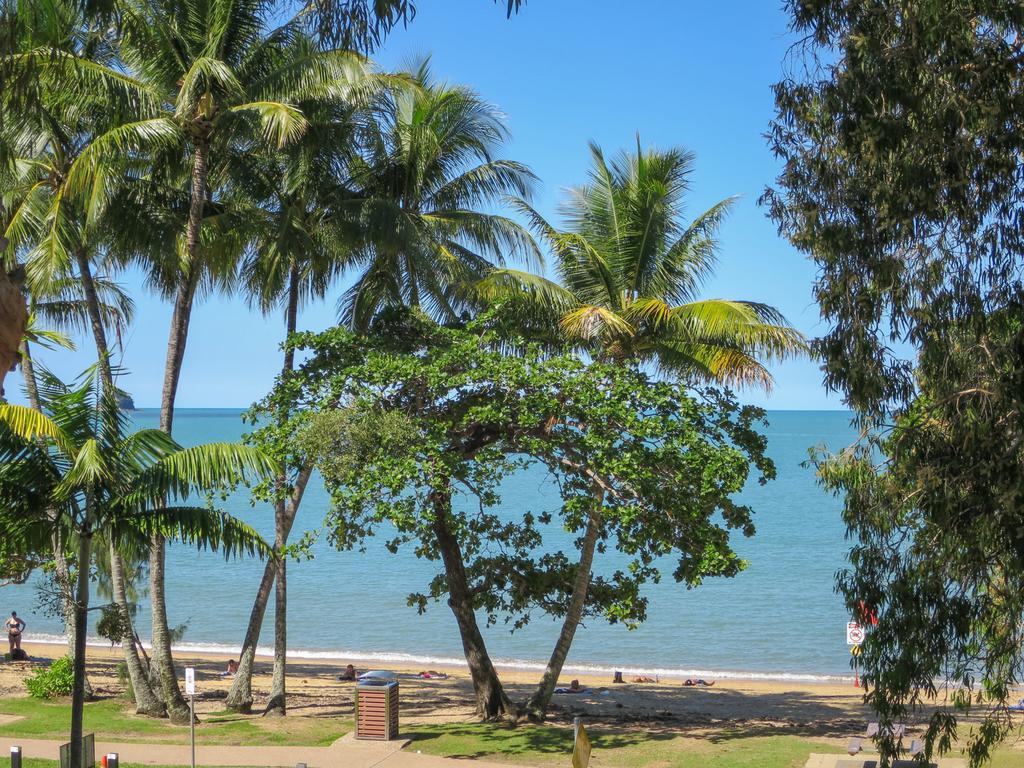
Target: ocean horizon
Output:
[(779, 619)]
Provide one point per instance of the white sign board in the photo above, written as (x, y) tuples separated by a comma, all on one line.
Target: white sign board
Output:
[(854, 633), (190, 681)]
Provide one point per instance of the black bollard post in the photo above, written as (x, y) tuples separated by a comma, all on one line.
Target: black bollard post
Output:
[(15, 757), (112, 760)]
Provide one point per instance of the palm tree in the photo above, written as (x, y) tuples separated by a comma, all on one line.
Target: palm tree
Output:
[(222, 85), (299, 247), (72, 473), (427, 170), (77, 90), (630, 268)]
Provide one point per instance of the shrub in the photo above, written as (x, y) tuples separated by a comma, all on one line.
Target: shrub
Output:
[(55, 680)]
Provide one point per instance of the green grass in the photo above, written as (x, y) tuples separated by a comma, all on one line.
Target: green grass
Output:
[(620, 748), (110, 720)]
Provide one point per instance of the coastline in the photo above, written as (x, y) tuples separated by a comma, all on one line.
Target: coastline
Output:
[(408, 661)]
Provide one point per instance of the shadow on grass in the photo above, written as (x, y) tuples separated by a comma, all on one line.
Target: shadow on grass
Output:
[(476, 740)]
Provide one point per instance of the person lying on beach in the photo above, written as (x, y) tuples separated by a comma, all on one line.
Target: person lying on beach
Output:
[(231, 670), (432, 675), (349, 674), (700, 681), (645, 679), (574, 687)]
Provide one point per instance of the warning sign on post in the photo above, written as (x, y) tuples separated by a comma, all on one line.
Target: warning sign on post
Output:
[(190, 681), (854, 633)]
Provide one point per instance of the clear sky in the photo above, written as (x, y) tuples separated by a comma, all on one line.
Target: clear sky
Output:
[(564, 72)]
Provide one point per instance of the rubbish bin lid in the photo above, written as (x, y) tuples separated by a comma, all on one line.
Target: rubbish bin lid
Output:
[(378, 677)]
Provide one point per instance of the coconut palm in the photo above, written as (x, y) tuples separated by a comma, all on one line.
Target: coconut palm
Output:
[(630, 268), (299, 246), (425, 180), (223, 84), (72, 472)]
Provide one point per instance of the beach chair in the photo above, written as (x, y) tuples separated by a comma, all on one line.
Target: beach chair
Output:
[(872, 730), (856, 746), (916, 747)]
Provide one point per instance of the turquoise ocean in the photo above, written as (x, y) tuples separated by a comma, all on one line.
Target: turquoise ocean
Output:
[(780, 618)]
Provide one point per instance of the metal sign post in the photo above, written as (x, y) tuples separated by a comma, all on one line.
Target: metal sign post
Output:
[(854, 638), (15, 757), (190, 689)]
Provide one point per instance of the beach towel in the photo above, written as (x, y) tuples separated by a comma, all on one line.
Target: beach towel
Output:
[(1018, 707), (570, 690)]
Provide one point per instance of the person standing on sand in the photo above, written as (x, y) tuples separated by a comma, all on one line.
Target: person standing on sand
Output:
[(15, 627)]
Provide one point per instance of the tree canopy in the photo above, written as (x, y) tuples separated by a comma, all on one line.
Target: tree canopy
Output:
[(901, 141), (416, 423)]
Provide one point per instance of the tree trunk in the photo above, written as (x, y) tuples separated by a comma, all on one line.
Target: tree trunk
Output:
[(240, 696), (146, 701), (63, 574), (491, 701), (537, 706), (13, 319), (276, 702), (99, 334), (163, 661), (28, 373), (81, 617)]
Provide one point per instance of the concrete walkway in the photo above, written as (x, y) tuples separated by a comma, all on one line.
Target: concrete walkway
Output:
[(871, 761), (346, 752)]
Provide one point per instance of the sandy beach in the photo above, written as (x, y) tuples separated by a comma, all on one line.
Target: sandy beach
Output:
[(825, 710)]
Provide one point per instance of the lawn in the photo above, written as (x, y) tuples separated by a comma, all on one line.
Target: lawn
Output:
[(110, 720), (544, 745), (548, 745)]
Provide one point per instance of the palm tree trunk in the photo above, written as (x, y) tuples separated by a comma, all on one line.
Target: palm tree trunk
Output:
[(163, 661), (491, 701), (95, 320), (28, 373), (276, 704), (81, 616), (63, 574), (537, 706), (146, 701), (240, 696)]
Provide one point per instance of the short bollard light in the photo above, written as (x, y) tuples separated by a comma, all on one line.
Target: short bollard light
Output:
[(15, 757), (112, 760)]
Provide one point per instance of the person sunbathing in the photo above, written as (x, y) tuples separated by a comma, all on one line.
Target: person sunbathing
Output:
[(432, 675), (700, 681), (231, 670), (349, 674), (645, 679), (574, 687)]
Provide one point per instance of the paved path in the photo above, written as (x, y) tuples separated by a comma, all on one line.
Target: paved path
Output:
[(871, 761), (346, 752)]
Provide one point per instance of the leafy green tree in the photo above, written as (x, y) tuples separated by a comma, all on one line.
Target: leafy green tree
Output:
[(409, 420), (630, 268), (73, 472), (425, 172), (901, 154)]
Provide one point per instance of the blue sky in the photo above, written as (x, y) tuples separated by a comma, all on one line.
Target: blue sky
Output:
[(563, 72)]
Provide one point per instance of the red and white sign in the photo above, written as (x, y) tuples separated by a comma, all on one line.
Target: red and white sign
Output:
[(854, 633)]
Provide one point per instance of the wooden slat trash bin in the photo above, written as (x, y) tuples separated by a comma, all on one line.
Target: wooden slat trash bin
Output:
[(377, 707)]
